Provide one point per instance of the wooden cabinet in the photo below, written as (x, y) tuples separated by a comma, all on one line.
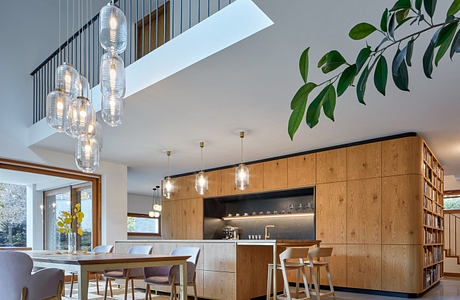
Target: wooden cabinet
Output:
[(401, 268), (331, 212), (331, 166), (364, 161), (402, 156), (214, 183), (192, 215), (301, 170), (275, 174), (219, 285), (256, 179), (337, 266), (228, 181), (171, 220), (364, 211), (184, 187), (364, 268), (402, 209), (220, 257)]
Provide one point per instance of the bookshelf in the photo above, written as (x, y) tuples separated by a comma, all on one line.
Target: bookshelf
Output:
[(433, 219)]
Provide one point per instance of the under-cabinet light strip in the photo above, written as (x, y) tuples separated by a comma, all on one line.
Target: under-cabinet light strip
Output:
[(267, 216)]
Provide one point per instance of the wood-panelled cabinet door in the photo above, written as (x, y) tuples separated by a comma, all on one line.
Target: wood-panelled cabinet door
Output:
[(402, 156), (331, 166), (402, 209), (331, 212), (337, 265), (228, 181), (219, 285), (193, 218), (184, 187), (364, 161), (171, 220), (364, 266), (364, 211), (256, 179), (275, 174), (302, 170), (214, 184)]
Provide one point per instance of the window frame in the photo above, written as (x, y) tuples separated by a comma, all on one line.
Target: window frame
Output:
[(138, 215), (451, 194)]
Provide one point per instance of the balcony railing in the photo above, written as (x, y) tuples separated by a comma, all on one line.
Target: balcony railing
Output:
[(151, 23), (452, 233)]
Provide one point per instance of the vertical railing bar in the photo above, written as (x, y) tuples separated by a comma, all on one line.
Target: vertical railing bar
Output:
[(165, 13), (124, 53), (33, 99), (189, 14), (94, 49), (156, 24), (130, 30), (218, 5), (143, 30), (137, 29), (96, 82), (180, 15), (208, 8), (150, 25), (173, 12), (199, 11)]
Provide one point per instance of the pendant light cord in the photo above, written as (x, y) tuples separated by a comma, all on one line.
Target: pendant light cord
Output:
[(201, 146), (241, 150), (169, 164), (59, 34), (67, 30)]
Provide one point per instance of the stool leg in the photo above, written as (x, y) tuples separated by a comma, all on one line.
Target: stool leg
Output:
[(269, 281), (71, 284), (105, 290), (305, 283), (97, 284), (297, 283), (329, 278), (316, 283), (286, 284)]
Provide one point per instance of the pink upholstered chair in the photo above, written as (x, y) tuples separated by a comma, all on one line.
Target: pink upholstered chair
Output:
[(18, 282)]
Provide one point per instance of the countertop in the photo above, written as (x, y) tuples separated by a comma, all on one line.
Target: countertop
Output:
[(238, 242)]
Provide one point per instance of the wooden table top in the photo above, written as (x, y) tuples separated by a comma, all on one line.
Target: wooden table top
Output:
[(98, 258)]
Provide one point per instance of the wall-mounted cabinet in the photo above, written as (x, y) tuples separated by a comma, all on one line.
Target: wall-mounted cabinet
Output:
[(364, 161), (331, 212), (331, 166), (301, 170), (275, 174)]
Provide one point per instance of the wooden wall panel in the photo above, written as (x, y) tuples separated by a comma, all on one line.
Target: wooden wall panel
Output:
[(337, 266), (192, 215), (331, 166), (256, 179), (228, 181), (402, 156), (219, 285), (301, 170), (184, 187), (275, 174), (401, 268), (364, 161), (331, 212), (402, 209), (171, 220), (220, 257), (364, 211), (364, 266), (214, 183)]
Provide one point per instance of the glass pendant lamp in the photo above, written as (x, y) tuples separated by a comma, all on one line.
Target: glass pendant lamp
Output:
[(201, 179), (69, 79), (242, 172), (168, 183), (81, 115), (113, 33), (152, 212), (57, 105), (157, 207), (112, 110), (113, 78), (87, 154), (83, 90)]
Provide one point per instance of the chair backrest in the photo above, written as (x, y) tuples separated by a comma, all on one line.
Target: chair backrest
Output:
[(293, 253), (319, 253), (103, 249), (193, 252), (15, 271), (140, 250)]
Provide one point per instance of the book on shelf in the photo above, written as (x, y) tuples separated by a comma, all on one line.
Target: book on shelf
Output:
[(432, 255), (434, 237), (431, 275), (432, 220)]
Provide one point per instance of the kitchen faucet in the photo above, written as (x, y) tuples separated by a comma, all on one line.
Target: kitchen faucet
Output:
[(267, 236)]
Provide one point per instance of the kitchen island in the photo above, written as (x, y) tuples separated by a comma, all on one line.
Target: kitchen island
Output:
[(227, 269)]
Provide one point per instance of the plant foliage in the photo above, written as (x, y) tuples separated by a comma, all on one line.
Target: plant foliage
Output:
[(410, 13)]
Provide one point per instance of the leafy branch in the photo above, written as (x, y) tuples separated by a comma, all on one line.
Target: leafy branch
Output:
[(413, 12)]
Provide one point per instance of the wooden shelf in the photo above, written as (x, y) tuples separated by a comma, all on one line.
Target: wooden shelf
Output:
[(432, 227), (433, 264), (434, 244), (428, 287)]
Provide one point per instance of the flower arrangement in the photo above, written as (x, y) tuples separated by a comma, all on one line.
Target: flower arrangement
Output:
[(65, 221)]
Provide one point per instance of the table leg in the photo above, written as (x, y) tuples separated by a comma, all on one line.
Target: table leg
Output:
[(83, 284), (275, 290), (183, 280)]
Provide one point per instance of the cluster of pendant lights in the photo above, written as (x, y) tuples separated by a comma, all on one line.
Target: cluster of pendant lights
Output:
[(201, 179), (69, 107), (156, 206)]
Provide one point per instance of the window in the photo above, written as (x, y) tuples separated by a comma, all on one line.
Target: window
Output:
[(452, 199), (142, 224), (13, 199)]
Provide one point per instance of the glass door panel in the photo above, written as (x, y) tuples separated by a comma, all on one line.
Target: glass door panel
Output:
[(84, 196), (55, 202)]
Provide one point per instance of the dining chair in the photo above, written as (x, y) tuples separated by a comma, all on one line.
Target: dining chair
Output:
[(18, 282), (97, 249), (127, 274), (317, 258), (168, 275)]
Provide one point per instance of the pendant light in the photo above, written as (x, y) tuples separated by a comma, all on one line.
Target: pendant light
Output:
[(152, 212), (201, 180), (157, 207), (112, 110), (168, 183), (113, 32), (87, 154), (242, 172)]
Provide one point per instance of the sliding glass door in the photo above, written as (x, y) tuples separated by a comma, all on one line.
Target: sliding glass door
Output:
[(84, 196)]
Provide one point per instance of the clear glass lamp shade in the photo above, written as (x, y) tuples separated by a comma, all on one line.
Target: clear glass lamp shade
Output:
[(201, 183), (83, 87), (156, 214), (87, 154), (113, 32), (68, 79), (57, 106), (242, 177), (168, 187), (157, 207), (151, 214), (112, 110), (95, 130), (81, 116), (112, 76)]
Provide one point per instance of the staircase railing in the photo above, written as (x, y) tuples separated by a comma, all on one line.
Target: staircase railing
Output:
[(452, 233), (151, 23)]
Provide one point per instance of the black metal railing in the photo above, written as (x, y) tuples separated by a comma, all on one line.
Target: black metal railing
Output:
[(452, 228), (151, 23)]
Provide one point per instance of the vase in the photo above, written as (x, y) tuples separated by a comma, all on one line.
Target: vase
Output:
[(72, 242)]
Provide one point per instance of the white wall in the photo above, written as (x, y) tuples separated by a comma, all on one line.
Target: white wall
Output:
[(139, 204), (451, 183)]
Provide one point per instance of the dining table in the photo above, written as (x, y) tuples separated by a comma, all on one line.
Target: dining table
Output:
[(82, 263)]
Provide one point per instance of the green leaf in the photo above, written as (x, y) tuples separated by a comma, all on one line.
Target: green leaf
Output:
[(401, 15), (391, 26), (399, 70), (404, 21), (296, 118), (418, 4), (363, 56), (331, 61), (410, 50), (381, 75), (314, 109), (430, 7), (455, 48), (362, 30), (303, 64), (445, 38), (302, 94), (329, 102), (346, 79), (401, 4), (361, 86), (384, 21), (428, 55), (454, 8)]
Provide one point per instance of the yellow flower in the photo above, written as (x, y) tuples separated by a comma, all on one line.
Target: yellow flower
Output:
[(60, 224), (61, 230), (77, 206), (80, 232), (68, 220)]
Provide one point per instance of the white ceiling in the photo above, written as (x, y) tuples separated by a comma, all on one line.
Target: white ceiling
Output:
[(250, 85)]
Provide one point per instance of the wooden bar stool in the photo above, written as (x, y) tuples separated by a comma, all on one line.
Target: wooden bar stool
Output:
[(317, 258), (299, 253)]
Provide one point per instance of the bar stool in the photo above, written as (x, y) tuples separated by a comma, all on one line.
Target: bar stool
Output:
[(290, 253), (317, 258)]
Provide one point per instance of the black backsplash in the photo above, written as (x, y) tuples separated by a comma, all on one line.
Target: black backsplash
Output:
[(279, 202)]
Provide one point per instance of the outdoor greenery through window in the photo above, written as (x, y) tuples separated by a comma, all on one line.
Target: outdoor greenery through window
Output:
[(452, 199), (13, 199)]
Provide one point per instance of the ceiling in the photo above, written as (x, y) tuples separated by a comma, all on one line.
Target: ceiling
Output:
[(250, 85)]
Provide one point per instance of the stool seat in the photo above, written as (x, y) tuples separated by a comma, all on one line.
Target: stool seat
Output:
[(290, 265)]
